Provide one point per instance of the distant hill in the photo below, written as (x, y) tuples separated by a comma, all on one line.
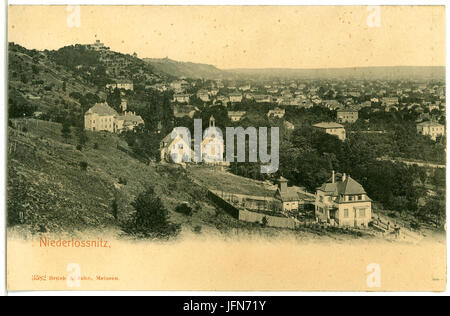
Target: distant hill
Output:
[(196, 70), (383, 73), (186, 69)]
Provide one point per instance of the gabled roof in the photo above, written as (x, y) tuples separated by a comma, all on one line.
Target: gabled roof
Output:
[(429, 123), (102, 109), (351, 186), (131, 118), (294, 194), (347, 187)]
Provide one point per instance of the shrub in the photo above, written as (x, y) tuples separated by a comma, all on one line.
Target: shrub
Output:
[(96, 146), (151, 219), (123, 181), (79, 147), (184, 209), (264, 221), (115, 209), (83, 165), (415, 225)]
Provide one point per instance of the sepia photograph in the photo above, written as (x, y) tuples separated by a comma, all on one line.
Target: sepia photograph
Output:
[(225, 148)]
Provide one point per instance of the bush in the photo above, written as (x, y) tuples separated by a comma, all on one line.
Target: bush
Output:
[(184, 209), (264, 221), (198, 229), (123, 181), (415, 225), (83, 165), (79, 147), (151, 219), (96, 146)]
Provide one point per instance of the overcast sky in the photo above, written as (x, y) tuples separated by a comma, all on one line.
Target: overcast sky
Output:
[(245, 37)]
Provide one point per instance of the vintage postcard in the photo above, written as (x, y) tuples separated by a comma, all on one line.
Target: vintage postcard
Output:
[(226, 148)]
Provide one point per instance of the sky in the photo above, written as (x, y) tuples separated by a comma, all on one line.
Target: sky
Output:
[(244, 36)]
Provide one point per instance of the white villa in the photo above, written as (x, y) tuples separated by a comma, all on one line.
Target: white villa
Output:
[(343, 202), (173, 150), (431, 129)]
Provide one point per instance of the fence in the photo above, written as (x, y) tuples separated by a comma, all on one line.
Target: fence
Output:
[(249, 216)]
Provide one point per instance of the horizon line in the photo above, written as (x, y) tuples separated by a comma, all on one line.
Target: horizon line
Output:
[(243, 68)]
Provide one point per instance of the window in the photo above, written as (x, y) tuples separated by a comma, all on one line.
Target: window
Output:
[(362, 213), (346, 213), (321, 198), (359, 197)]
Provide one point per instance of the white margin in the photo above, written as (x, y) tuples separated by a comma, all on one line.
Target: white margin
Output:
[(3, 126)]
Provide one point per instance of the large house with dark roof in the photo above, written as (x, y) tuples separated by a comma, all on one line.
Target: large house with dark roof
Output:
[(102, 117), (344, 203)]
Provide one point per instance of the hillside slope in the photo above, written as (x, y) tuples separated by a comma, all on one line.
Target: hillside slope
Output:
[(35, 79), (47, 183), (186, 69)]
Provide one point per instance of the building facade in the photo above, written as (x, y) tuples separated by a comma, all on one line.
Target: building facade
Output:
[(347, 116), (276, 113), (332, 128), (343, 203), (431, 129), (101, 117)]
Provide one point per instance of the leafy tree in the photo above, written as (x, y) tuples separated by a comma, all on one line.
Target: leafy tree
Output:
[(82, 137), (35, 69), (83, 165), (113, 99), (18, 106)]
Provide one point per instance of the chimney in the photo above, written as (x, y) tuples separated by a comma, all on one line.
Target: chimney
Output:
[(344, 177), (332, 177), (282, 184)]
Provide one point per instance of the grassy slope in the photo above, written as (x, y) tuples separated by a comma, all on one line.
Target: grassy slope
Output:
[(61, 197)]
